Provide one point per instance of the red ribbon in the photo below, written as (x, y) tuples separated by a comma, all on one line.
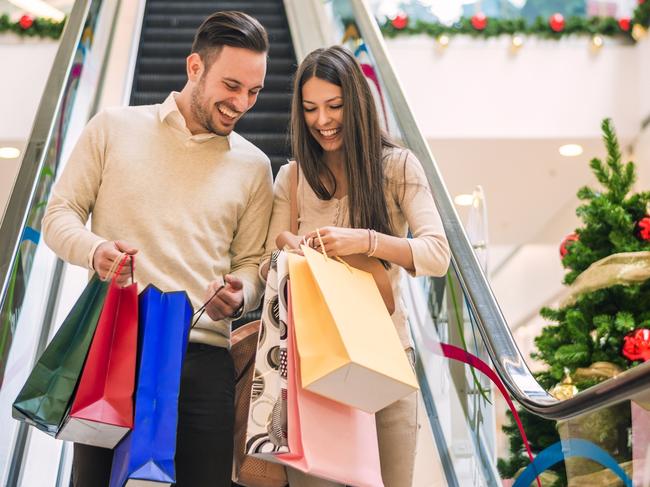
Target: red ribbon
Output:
[(454, 353)]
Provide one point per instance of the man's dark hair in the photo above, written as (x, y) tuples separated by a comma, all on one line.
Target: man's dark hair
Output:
[(229, 28)]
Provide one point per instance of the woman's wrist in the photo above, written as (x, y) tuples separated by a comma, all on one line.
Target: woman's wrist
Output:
[(362, 241), (373, 239)]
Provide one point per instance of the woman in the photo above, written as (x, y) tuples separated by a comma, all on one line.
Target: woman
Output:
[(362, 193)]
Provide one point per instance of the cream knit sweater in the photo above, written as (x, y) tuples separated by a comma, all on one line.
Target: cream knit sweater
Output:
[(196, 206)]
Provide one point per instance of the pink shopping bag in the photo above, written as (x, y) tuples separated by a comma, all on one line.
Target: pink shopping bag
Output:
[(326, 438)]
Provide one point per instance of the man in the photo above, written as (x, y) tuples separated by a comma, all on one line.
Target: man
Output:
[(175, 185)]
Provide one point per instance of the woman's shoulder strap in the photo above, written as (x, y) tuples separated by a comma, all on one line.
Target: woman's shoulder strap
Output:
[(293, 197)]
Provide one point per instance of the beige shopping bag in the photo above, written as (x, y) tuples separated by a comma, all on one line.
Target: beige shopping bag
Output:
[(348, 346)]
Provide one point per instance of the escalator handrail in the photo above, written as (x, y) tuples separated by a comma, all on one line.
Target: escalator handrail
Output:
[(21, 200), (500, 344)]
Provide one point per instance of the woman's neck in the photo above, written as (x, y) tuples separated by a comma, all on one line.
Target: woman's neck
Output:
[(335, 162)]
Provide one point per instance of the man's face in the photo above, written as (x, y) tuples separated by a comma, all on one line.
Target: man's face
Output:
[(228, 89)]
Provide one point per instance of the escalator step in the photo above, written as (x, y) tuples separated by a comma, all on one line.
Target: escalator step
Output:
[(183, 49), (266, 102), (169, 82), (155, 65), (168, 29), (271, 144), (193, 21), (206, 8), (176, 34), (264, 122)]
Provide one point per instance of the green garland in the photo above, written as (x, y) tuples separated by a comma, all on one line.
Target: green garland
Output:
[(41, 27), (604, 26)]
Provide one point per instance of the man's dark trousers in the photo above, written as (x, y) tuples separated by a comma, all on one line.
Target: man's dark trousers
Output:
[(204, 446)]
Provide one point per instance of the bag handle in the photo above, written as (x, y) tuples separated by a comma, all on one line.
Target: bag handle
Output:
[(118, 265), (322, 247), (293, 197), (201, 310)]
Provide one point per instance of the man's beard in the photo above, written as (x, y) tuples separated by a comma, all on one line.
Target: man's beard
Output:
[(201, 115)]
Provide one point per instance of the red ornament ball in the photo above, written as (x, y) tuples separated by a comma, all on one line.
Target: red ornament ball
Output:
[(643, 228), (479, 21), (568, 241), (556, 22), (400, 21), (26, 22), (636, 345), (641, 2), (624, 24)]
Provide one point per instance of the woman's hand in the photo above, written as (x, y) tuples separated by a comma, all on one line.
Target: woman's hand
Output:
[(340, 241)]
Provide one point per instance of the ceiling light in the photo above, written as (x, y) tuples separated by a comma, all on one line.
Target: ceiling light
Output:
[(9, 152), (571, 150), (464, 199)]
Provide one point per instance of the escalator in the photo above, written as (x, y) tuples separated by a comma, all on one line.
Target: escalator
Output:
[(166, 40), (459, 426)]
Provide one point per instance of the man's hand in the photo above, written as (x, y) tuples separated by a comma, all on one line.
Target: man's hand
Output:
[(228, 301), (287, 239), (106, 255)]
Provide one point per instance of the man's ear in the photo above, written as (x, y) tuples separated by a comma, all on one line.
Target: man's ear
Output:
[(195, 67)]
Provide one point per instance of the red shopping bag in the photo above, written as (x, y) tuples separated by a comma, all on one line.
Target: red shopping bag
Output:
[(102, 409)]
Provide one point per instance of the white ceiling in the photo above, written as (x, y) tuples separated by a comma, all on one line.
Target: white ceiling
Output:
[(530, 188)]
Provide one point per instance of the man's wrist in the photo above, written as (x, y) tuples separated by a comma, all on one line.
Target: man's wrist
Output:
[(238, 312)]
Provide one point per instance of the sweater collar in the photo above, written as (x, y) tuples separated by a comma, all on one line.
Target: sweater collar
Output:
[(168, 112)]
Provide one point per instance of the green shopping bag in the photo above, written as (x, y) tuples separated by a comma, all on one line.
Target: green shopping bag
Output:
[(45, 398)]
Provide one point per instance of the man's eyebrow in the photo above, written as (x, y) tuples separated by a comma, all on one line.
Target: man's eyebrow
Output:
[(238, 83), (326, 101)]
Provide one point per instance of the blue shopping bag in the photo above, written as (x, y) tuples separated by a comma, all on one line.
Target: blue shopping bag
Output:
[(147, 453)]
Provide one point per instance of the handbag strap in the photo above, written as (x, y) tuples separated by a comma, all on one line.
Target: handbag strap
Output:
[(293, 197)]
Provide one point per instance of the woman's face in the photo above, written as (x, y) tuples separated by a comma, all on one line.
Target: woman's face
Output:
[(322, 105)]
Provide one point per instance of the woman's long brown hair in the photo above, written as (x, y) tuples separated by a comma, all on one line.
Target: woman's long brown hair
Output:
[(363, 140)]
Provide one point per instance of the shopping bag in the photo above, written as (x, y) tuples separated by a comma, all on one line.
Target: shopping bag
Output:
[(146, 455), (348, 346), (266, 431), (45, 398), (248, 471), (102, 409), (328, 439)]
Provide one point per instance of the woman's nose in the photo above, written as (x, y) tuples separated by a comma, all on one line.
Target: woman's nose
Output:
[(323, 117)]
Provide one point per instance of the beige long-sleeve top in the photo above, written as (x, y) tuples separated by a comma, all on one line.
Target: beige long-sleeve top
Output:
[(410, 206), (196, 206)]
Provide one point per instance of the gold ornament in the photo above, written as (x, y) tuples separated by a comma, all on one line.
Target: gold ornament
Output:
[(517, 41), (598, 371), (443, 40), (597, 42), (639, 32), (565, 389)]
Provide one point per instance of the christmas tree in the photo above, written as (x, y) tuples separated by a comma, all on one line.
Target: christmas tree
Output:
[(603, 326)]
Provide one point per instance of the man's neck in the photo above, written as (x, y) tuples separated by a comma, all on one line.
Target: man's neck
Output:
[(184, 103)]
